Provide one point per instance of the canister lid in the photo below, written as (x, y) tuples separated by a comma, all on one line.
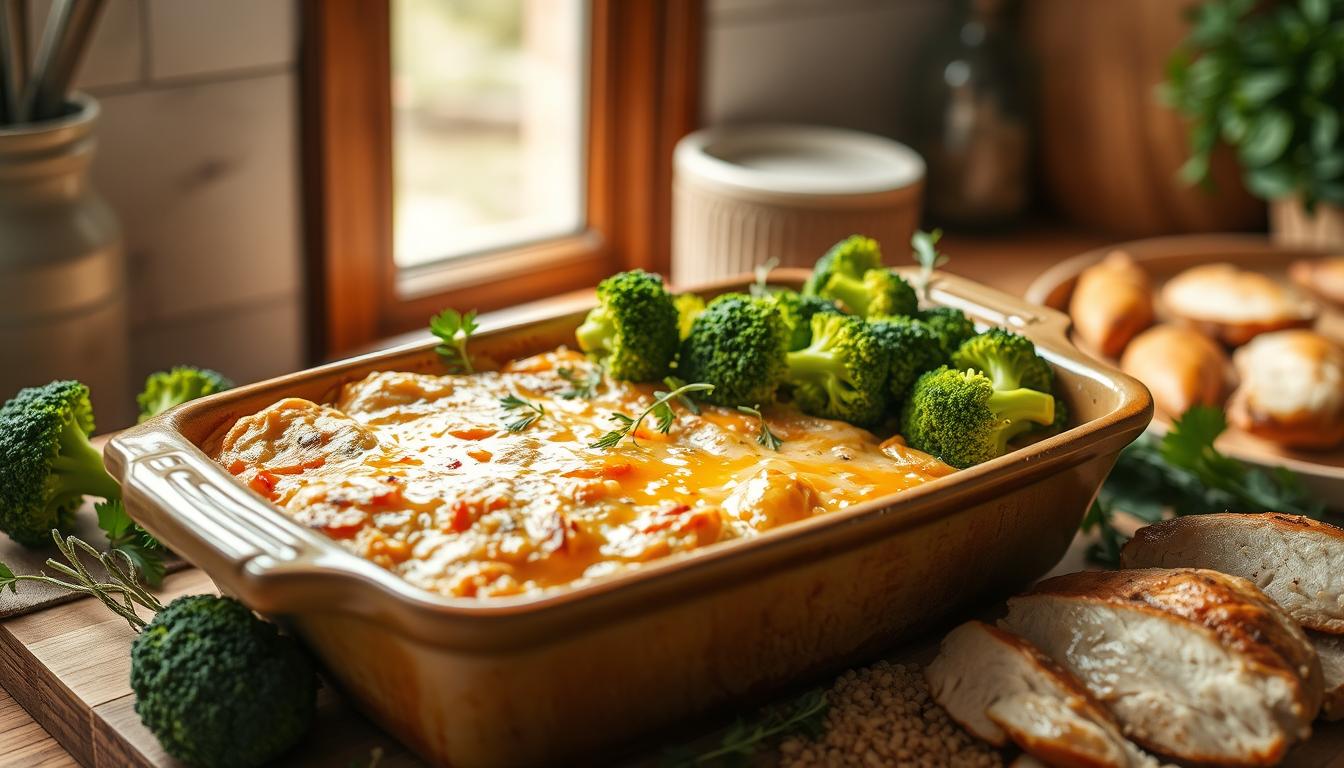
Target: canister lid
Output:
[(797, 160)]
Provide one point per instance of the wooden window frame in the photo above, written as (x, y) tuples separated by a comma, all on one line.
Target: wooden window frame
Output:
[(643, 95)]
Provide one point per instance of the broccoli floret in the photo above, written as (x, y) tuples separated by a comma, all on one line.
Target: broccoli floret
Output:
[(913, 348), (689, 306), (1008, 359), (633, 329), (842, 374), (962, 419), (738, 345), (879, 292), (218, 686), (165, 389), (47, 465), (852, 256), (797, 310), (952, 326)]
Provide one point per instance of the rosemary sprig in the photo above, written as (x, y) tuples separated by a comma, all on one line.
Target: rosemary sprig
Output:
[(660, 410), (673, 382), (583, 388), (763, 435), (760, 288), (531, 412), (121, 593), (927, 256), (805, 714), (454, 329)]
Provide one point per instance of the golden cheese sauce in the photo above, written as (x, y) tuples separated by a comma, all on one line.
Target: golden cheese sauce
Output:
[(419, 474)]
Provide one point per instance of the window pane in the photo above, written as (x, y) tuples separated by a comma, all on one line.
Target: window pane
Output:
[(488, 124)]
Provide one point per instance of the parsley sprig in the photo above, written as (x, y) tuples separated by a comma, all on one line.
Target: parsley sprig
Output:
[(928, 257), (530, 412), (1184, 472), (805, 714), (763, 435), (582, 388), (454, 329), (661, 410), (123, 535)]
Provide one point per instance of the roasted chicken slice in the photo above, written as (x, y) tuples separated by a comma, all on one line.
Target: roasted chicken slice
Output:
[(1000, 688), (1181, 366), (1330, 650), (1298, 562), (1292, 390), (1111, 303), (1235, 305), (1197, 666)]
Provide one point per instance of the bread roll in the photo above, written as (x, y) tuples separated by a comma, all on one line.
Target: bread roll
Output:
[(1234, 305), (1292, 390), (1181, 366), (1111, 303), (1323, 277)]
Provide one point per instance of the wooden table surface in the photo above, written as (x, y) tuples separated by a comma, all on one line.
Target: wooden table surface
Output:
[(1008, 262)]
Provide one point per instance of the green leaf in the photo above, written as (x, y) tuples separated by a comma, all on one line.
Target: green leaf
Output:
[(1325, 131), (1272, 183), (1329, 166), (7, 579), (1195, 169), (1268, 137), (1259, 87), (148, 561), (113, 519), (1321, 71), (512, 402), (454, 329), (1315, 11)]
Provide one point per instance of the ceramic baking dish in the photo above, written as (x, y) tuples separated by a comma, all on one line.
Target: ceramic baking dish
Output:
[(560, 677)]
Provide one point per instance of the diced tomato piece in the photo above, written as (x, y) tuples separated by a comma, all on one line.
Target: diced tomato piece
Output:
[(237, 467), (264, 483), (472, 433), (480, 454), (462, 517)]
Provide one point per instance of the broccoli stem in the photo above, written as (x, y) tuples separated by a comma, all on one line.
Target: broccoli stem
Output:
[(1004, 376), (596, 331), (812, 362), (79, 467), (1022, 405), (853, 293)]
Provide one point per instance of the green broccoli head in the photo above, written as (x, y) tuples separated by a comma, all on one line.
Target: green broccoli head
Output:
[(738, 345), (952, 326), (913, 348), (165, 389), (852, 256), (218, 686), (633, 329), (47, 465), (962, 419), (879, 292), (842, 374), (689, 306), (1008, 359), (797, 310)]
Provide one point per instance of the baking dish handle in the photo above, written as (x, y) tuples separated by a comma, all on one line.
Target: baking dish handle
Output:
[(214, 519), (1040, 323)]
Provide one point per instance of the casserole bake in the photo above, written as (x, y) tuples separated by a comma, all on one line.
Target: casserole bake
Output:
[(542, 678)]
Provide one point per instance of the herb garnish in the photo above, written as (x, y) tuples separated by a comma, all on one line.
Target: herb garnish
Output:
[(805, 714), (763, 436), (583, 388), (532, 412), (660, 409), (123, 535), (121, 593), (454, 329), (927, 256), (760, 288), (1185, 473), (673, 382)]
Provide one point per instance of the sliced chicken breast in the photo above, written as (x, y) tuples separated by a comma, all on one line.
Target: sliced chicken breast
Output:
[(1235, 305), (1197, 666), (1298, 562), (1181, 366), (1292, 389), (1000, 688), (1330, 650)]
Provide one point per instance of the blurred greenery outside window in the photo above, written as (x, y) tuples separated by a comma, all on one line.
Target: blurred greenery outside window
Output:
[(488, 116)]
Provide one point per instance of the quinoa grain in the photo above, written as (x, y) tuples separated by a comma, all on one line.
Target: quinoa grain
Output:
[(882, 716)]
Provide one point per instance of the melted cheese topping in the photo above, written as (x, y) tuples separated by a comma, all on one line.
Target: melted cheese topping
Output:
[(419, 474)]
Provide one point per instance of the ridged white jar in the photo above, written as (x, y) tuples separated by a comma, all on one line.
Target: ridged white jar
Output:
[(748, 193)]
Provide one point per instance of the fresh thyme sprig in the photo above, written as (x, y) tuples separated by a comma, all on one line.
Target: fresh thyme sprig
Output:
[(927, 256), (531, 412), (804, 714), (763, 435), (121, 592), (583, 388), (125, 536), (761, 288), (673, 382), (454, 329), (661, 411)]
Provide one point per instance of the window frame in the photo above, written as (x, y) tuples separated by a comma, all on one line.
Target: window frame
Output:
[(642, 96)]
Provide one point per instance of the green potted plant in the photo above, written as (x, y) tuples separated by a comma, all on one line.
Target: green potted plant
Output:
[(1267, 79)]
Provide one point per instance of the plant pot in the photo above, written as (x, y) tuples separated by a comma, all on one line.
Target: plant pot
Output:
[(1291, 224), (62, 272)]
